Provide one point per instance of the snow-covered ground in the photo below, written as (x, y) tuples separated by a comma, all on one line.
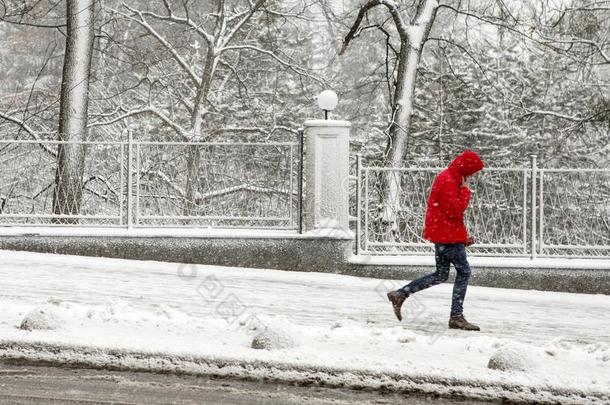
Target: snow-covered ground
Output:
[(334, 329)]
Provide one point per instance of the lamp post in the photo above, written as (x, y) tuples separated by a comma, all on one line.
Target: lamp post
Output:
[(327, 101)]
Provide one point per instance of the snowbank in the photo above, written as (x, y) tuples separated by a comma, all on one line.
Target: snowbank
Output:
[(313, 328), (297, 373)]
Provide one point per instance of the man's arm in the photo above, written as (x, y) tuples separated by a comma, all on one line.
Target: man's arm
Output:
[(453, 201)]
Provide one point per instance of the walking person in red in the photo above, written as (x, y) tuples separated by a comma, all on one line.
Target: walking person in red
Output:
[(444, 226)]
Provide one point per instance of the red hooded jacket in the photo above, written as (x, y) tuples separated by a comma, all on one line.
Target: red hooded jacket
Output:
[(448, 201)]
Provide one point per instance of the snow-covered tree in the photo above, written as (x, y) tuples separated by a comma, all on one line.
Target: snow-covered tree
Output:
[(73, 111), (196, 61), (469, 30)]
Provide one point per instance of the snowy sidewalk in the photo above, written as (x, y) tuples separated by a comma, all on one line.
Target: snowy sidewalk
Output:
[(331, 329)]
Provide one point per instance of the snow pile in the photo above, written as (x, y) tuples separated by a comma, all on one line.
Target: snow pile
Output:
[(513, 357), (124, 312), (57, 314), (600, 350), (274, 333), (345, 332), (270, 339), (44, 317)]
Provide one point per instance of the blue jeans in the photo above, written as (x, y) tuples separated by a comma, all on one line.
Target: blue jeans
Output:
[(446, 254)]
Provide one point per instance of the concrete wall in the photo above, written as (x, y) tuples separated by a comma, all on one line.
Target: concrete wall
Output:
[(590, 281), (314, 253)]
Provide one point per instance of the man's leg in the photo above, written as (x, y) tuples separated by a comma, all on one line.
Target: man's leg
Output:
[(439, 276), (460, 261), (462, 268)]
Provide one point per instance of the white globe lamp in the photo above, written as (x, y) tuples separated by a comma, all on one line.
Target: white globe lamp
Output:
[(327, 101)]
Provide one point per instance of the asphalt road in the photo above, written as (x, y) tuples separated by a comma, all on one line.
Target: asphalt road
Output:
[(20, 385)]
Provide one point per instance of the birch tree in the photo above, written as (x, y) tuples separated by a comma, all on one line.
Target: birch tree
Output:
[(412, 32)]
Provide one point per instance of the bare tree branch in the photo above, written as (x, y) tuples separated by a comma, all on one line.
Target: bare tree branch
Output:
[(150, 110), (180, 20), (287, 64), (170, 48), (393, 9), (33, 134), (243, 20)]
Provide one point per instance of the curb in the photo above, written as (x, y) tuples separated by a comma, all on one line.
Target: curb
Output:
[(49, 354)]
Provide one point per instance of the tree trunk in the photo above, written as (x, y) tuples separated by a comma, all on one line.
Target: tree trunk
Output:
[(193, 157), (411, 48), (398, 140), (68, 192), (193, 154), (402, 106)]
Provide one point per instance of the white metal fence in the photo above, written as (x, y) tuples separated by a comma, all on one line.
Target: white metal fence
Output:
[(513, 211), (151, 184), (528, 211)]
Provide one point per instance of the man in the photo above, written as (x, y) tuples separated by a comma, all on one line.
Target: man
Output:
[(444, 226)]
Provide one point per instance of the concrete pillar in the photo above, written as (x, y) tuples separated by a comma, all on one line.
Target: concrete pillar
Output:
[(326, 168)]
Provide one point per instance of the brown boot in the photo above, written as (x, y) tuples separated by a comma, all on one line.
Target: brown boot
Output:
[(459, 322), (397, 298)]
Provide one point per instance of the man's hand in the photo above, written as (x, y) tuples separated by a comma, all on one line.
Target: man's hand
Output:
[(464, 182), (469, 241)]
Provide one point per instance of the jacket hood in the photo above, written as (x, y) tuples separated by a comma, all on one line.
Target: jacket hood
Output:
[(467, 163)]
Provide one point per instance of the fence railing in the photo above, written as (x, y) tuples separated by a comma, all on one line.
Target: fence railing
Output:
[(528, 211), (513, 211), (149, 184)]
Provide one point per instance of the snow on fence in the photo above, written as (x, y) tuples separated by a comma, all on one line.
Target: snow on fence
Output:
[(527, 211), (150, 184), (513, 212)]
